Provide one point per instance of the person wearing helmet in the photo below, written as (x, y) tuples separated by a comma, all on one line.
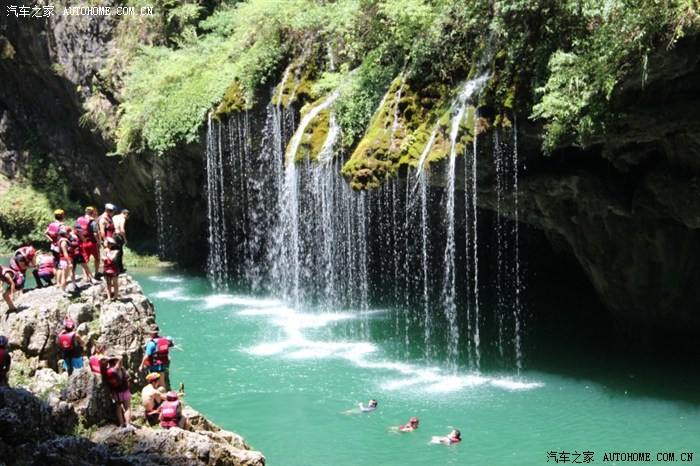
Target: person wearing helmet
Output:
[(453, 437), (5, 360), (371, 406), (52, 234), (110, 268), (410, 426), (152, 396), (23, 258), (87, 230), (118, 379), (72, 346), (77, 258), (65, 260), (105, 224), (14, 282), (157, 355), (171, 413)]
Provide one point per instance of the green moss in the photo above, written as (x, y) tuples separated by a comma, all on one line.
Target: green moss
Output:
[(233, 101)]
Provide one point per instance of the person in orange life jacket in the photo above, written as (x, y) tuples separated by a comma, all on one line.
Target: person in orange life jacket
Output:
[(410, 426), (23, 258), (52, 234), (171, 413), (65, 261), (119, 221), (98, 359), (72, 346), (157, 355), (87, 230), (152, 396), (109, 268), (44, 270), (5, 360), (14, 282), (78, 259), (118, 379), (105, 224), (453, 437)]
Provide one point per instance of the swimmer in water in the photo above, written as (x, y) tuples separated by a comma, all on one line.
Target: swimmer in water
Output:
[(408, 427), (453, 437), (371, 406)]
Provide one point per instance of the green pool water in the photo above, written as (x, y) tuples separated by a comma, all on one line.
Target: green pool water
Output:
[(285, 379)]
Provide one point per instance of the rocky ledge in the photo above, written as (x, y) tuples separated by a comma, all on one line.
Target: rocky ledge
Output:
[(47, 417)]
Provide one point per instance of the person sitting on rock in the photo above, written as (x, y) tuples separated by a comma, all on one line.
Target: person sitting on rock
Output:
[(14, 282), (44, 270), (152, 396), (118, 379), (72, 346), (171, 413), (5, 360)]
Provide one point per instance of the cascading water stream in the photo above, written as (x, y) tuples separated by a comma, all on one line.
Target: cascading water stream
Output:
[(448, 293), (217, 262)]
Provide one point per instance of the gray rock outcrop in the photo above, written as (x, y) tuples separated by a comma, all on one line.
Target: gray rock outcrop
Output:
[(47, 417)]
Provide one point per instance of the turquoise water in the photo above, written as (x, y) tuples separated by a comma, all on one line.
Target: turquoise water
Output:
[(285, 378)]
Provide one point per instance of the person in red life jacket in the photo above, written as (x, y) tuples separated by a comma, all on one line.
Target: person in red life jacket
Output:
[(119, 221), (52, 234), (118, 379), (77, 258), (72, 346), (110, 269), (5, 360), (23, 258), (98, 359), (87, 230), (65, 260), (171, 413), (157, 356), (410, 426), (105, 224), (14, 282), (152, 396), (453, 437), (44, 270)]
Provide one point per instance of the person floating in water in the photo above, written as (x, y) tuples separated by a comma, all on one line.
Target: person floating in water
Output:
[(371, 406), (408, 427), (453, 437)]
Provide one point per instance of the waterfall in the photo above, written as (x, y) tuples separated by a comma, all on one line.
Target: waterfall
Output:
[(449, 291), (160, 208), (287, 225), (217, 261)]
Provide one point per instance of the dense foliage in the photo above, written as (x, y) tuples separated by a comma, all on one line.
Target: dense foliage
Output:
[(558, 61)]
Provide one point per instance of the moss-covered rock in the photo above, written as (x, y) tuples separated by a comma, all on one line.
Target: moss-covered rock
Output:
[(233, 101)]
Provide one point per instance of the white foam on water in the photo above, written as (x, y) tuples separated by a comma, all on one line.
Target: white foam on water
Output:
[(431, 380), (165, 279), (173, 294), (220, 300)]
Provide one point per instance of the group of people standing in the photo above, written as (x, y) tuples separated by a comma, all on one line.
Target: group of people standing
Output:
[(98, 237)]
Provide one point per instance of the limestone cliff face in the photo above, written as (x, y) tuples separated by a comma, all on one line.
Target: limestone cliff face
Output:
[(628, 207), (47, 417)]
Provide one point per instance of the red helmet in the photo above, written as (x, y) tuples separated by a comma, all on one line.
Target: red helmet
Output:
[(69, 323), (171, 396), (414, 420)]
